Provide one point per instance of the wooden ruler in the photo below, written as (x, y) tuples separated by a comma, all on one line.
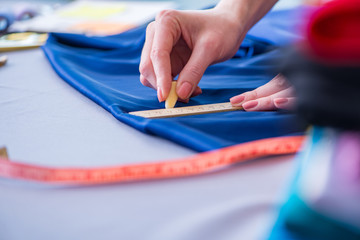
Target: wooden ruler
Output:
[(185, 111), (189, 166)]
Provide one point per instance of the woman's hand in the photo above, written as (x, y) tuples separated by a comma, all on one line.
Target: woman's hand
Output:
[(186, 43), (276, 94)]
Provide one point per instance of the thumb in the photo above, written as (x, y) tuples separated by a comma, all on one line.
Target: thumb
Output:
[(192, 73)]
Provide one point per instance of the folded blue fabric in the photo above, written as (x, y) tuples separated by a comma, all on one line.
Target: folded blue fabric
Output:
[(105, 69)]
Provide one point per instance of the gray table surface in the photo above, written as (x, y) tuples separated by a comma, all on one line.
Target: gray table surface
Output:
[(45, 121)]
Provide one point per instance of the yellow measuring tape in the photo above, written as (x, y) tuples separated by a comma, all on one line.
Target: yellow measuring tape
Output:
[(185, 111)]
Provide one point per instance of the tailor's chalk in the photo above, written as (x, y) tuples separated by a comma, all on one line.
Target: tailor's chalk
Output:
[(173, 97)]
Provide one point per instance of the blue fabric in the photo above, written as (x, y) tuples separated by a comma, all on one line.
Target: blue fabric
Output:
[(105, 69)]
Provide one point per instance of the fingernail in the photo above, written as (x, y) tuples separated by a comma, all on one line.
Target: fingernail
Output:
[(159, 95), (184, 90), (184, 101), (237, 100), (196, 92), (281, 101), (250, 104)]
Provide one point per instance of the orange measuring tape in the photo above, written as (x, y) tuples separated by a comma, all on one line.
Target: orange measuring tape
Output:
[(197, 164)]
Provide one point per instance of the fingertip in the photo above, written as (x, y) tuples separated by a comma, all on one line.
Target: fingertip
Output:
[(145, 82), (184, 90), (284, 103), (184, 100), (142, 79), (160, 95), (250, 105), (237, 100), (196, 92), (281, 101), (163, 89)]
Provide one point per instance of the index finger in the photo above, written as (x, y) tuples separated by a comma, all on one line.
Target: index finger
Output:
[(167, 33), (277, 84)]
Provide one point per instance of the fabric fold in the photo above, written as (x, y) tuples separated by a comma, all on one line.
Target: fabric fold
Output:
[(105, 69)]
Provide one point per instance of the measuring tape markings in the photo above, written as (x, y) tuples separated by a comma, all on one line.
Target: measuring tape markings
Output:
[(185, 111), (197, 164)]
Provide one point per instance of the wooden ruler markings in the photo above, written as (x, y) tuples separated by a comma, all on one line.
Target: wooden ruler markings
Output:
[(186, 111)]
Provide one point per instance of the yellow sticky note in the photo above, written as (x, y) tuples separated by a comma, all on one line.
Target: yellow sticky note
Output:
[(89, 11)]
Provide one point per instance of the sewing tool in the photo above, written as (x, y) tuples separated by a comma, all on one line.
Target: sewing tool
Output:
[(173, 97), (186, 111), (189, 166)]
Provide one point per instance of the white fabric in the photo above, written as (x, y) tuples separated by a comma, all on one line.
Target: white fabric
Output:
[(45, 121)]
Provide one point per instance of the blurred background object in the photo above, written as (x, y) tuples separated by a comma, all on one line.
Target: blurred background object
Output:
[(3, 60), (19, 11), (99, 18), (90, 16), (22, 40), (14, 12)]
